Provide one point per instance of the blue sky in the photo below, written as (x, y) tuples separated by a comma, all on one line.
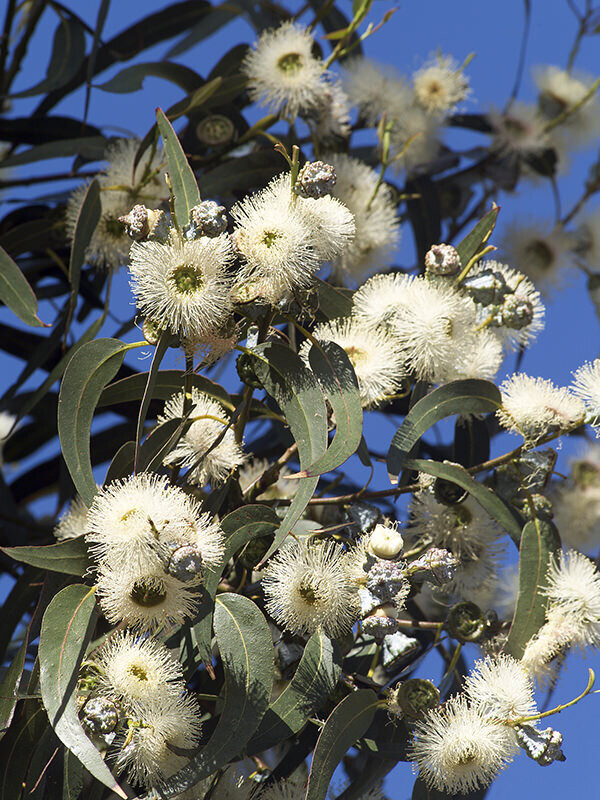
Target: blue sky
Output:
[(492, 32)]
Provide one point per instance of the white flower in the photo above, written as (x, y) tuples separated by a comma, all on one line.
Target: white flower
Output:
[(307, 587), (379, 300), (374, 87), (588, 240), (538, 251), (378, 363), (414, 136), (440, 86), (331, 117), (73, 522), (573, 589), (586, 384), (208, 421), (535, 408), (544, 651), (576, 503), (459, 749), (138, 670), (560, 91), (144, 600), (183, 285), (501, 688), (385, 542), (332, 225), (282, 71), (518, 132), (375, 218)]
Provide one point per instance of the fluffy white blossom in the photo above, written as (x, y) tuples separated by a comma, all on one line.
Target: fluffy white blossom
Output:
[(576, 503), (183, 285), (373, 87), (535, 407), (307, 587), (331, 116), (458, 748), (377, 360), (501, 688), (440, 85), (518, 132), (208, 422), (537, 250), (588, 240), (586, 384), (283, 72), (544, 652), (73, 522), (573, 589), (561, 91)]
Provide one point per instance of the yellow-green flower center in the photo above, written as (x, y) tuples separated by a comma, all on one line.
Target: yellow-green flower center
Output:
[(187, 279), (290, 63), (356, 355), (270, 237), (540, 253), (147, 594), (138, 672)]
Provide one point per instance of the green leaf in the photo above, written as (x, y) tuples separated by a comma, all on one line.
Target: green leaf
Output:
[(87, 373), (85, 225), (296, 391), (246, 653), (168, 382), (16, 293), (159, 442), (66, 629), (211, 23), (472, 242), (470, 396), (183, 180), (69, 556), (540, 546), (18, 747), (240, 527), (337, 379), (72, 776), (315, 679), (9, 686), (487, 499), (131, 79), (241, 174), (159, 352), (68, 51), (122, 464), (333, 303), (92, 147), (346, 723)]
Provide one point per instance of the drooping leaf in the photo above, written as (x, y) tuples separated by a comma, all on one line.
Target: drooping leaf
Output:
[(346, 723), (131, 79), (72, 776), (333, 302), (68, 51), (424, 212), (159, 442), (9, 685), (168, 382), (337, 380), (472, 242), (470, 396), (27, 130), (314, 680), (183, 180), (246, 653), (69, 556), (92, 147), (540, 546), (296, 391), (489, 500), (66, 628), (18, 746), (122, 464), (85, 225), (212, 22), (16, 293), (86, 375)]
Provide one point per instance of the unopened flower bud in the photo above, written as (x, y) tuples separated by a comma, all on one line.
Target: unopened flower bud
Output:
[(386, 579), (466, 622), (385, 542), (206, 219), (316, 179), (487, 287), (517, 312), (215, 130), (185, 563), (145, 223), (100, 715), (542, 746), (442, 259), (436, 566), (379, 625)]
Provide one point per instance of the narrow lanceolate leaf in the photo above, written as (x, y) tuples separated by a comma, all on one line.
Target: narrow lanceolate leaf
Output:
[(183, 180), (346, 723), (72, 776), (18, 748), (540, 545), (246, 652), (69, 556), (168, 382), (16, 293), (295, 389), (315, 679), (239, 527), (159, 352), (8, 687), (472, 242), (459, 397), (87, 219), (333, 302), (337, 380), (131, 79), (87, 374), (66, 629), (486, 498)]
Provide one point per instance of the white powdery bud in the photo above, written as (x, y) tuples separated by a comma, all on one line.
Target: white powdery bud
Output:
[(560, 91), (385, 542), (375, 218), (436, 566), (545, 746), (100, 715), (459, 749), (535, 408), (377, 361), (145, 223), (440, 86), (308, 586), (379, 625), (501, 688), (208, 422), (282, 71), (183, 285), (144, 600), (538, 251), (586, 384), (206, 219), (73, 522), (442, 259), (573, 589), (387, 581), (137, 670), (315, 179)]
